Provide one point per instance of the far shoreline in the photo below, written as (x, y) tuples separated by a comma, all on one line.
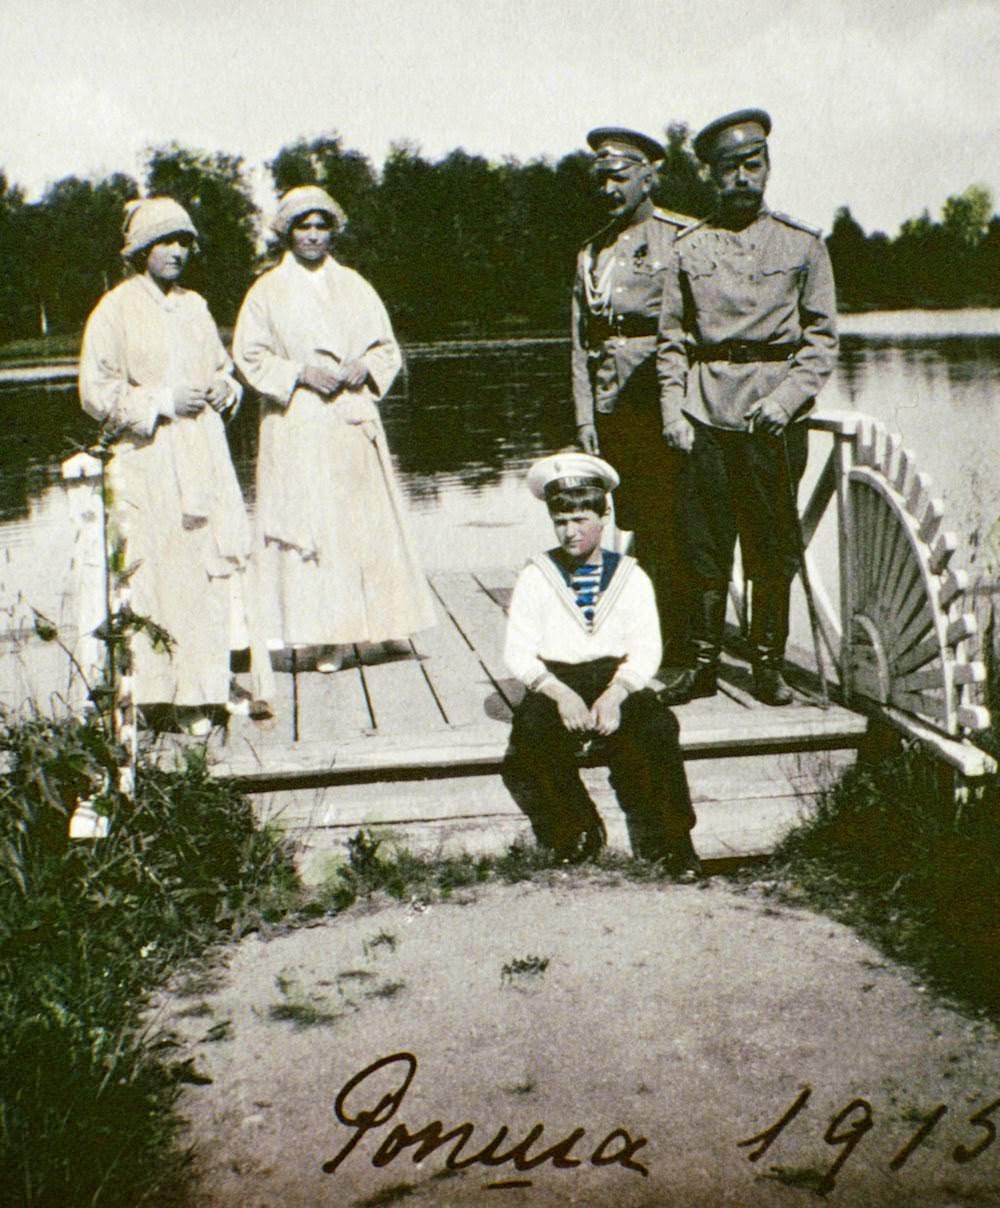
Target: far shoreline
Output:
[(51, 360)]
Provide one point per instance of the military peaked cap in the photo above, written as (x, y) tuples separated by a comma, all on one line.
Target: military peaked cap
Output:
[(744, 131), (617, 142)]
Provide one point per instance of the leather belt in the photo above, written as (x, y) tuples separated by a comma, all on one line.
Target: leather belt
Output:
[(627, 325), (742, 352)]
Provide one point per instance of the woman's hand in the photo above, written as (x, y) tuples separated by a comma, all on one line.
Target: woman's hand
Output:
[(221, 396), (321, 380), (354, 374), (188, 400)]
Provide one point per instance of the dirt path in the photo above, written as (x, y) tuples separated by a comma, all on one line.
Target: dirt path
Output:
[(692, 1016)]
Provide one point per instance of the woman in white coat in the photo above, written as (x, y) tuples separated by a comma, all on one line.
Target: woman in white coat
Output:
[(314, 339), (154, 372)]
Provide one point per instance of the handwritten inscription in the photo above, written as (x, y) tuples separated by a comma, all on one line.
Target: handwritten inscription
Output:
[(848, 1127), (352, 1107), (364, 1106)]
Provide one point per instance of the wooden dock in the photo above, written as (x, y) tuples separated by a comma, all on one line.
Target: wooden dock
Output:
[(410, 742)]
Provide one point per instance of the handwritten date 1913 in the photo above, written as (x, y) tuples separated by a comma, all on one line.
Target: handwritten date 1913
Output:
[(847, 1128), (618, 1148)]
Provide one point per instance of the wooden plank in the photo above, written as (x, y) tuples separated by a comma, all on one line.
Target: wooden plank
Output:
[(820, 498), (711, 782), (251, 740), (886, 527), (398, 692), (332, 706), (498, 583), (481, 620), (465, 691), (968, 759), (753, 732), (38, 678), (729, 831)]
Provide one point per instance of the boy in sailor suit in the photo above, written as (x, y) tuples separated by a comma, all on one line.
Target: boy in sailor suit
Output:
[(584, 638)]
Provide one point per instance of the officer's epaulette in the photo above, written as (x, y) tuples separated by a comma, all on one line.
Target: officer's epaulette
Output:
[(797, 223), (681, 220), (696, 225)]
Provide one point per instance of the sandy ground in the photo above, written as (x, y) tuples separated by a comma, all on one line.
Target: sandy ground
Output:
[(691, 1016)]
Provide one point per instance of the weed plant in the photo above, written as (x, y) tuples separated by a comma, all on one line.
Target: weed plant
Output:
[(893, 853), (87, 928)]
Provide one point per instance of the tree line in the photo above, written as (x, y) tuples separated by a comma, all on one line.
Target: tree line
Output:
[(458, 245)]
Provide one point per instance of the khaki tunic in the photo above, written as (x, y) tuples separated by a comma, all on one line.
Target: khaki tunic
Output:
[(631, 268), (769, 283)]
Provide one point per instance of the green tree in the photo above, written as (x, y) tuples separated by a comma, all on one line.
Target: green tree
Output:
[(18, 287), (967, 215), (213, 187), (349, 177), (74, 236), (683, 186)]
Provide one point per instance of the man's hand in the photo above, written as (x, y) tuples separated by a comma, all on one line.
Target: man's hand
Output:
[(607, 711), (354, 374), (573, 713), (188, 400), (679, 434), (768, 416), (321, 380), (586, 436)]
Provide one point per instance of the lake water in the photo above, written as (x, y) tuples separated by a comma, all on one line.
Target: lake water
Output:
[(466, 419)]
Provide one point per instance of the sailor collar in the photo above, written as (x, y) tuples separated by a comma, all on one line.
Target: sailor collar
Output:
[(615, 572)]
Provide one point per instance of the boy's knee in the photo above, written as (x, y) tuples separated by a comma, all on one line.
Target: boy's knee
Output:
[(645, 712)]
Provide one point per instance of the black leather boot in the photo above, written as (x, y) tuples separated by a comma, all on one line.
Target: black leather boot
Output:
[(768, 635), (706, 641)]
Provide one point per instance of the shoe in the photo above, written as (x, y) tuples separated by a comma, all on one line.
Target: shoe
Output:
[(768, 635), (194, 721), (681, 861), (701, 679), (397, 647), (770, 688), (691, 683), (583, 846), (239, 701), (331, 658)]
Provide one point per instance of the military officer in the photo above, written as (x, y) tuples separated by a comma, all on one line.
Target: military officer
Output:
[(616, 306), (747, 337)]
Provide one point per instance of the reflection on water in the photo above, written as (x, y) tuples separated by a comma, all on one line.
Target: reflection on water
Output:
[(465, 419)]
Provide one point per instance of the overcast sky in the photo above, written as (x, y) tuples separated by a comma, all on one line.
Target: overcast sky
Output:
[(886, 105)]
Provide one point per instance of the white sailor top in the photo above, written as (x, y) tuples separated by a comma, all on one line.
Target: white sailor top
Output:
[(545, 622)]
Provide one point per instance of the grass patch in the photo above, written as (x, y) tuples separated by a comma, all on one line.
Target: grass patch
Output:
[(524, 966), (891, 854), (388, 1195), (302, 1014), (87, 929), (388, 989), (41, 348), (803, 1177)]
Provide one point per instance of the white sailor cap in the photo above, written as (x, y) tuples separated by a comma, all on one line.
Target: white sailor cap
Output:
[(562, 470)]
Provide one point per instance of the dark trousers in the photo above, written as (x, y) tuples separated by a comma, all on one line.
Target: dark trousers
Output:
[(646, 502), (736, 484), (541, 769)]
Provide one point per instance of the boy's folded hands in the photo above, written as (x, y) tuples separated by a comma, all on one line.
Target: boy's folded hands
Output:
[(603, 719)]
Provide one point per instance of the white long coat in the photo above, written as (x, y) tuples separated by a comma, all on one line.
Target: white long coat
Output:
[(338, 562), (175, 498)]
